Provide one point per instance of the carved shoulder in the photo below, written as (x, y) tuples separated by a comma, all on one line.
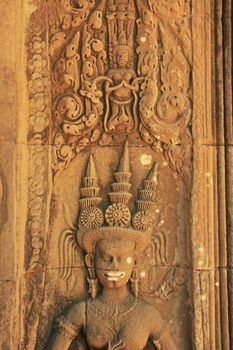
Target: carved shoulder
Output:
[(157, 321), (68, 327), (111, 72), (70, 323), (76, 314)]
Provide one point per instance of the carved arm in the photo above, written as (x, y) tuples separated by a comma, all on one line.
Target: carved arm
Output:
[(160, 335), (63, 337), (68, 327), (163, 342), (109, 89), (135, 84)]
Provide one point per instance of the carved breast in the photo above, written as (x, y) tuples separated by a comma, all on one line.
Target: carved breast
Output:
[(115, 326), (117, 76)]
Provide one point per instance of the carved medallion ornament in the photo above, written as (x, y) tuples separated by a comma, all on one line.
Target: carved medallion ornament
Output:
[(120, 67), (114, 240)]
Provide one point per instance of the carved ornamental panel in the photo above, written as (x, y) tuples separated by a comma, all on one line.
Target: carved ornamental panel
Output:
[(117, 70), (110, 104)]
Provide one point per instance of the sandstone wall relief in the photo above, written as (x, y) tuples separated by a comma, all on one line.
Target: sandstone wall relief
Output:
[(1, 195), (102, 77), (114, 243), (120, 69)]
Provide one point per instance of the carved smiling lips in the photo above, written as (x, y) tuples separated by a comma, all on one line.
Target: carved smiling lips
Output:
[(114, 275)]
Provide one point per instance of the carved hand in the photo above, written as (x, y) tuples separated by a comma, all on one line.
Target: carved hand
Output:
[(116, 87), (118, 346), (135, 84), (126, 84)]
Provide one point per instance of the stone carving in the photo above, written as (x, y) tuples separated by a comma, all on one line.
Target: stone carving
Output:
[(38, 153), (121, 91), (1, 191), (113, 241), (39, 117), (118, 68), (162, 100), (173, 280), (1, 195)]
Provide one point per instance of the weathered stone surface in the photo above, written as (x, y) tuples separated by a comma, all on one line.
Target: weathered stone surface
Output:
[(7, 309), (8, 72), (7, 205), (79, 79)]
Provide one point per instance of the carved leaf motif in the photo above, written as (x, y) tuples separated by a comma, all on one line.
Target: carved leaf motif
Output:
[(159, 246), (67, 250), (62, 154)]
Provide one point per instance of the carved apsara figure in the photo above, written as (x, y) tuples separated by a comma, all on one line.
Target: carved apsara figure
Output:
[(114, 317), (121, 93)]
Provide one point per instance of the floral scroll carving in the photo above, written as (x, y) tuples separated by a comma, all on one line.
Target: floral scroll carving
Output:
[(120, 68), (39, 135)]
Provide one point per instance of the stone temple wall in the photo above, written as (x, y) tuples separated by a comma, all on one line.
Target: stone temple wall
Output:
[(94, 89)]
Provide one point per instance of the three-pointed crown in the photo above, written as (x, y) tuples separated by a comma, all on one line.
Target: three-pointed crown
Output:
[(117, 220)]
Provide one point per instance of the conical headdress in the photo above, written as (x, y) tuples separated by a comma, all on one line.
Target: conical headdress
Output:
[(91, 216), (118, 222), (118, 213), (143, 219)]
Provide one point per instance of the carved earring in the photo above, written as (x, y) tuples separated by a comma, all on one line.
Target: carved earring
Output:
[(134, 277), (92, 280), (135, 283), (92, 287)]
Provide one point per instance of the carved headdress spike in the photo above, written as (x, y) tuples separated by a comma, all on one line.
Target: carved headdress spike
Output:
[(122, 38), (121, 17), (91, 216), (147, 194), (123, 173), (91, 170), (90, 189), (143, 219), (152, 180), (118, 212)]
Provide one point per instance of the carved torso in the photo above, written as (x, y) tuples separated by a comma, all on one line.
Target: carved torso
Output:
[(130, 322), (119, 76), (112, 322)]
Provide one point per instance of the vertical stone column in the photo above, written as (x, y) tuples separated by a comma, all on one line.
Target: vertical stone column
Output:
[(228, 131), (212, 127), (8, 156), (24, 172)]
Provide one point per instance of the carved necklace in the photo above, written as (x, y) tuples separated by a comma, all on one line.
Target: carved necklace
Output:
[(115, 313)]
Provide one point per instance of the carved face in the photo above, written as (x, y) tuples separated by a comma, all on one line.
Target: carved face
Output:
[(114, 261), (122, 56)]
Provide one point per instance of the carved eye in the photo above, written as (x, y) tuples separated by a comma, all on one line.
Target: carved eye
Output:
[(107, 258)]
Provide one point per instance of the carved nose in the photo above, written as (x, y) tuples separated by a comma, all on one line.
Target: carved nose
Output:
[(114, 262)]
